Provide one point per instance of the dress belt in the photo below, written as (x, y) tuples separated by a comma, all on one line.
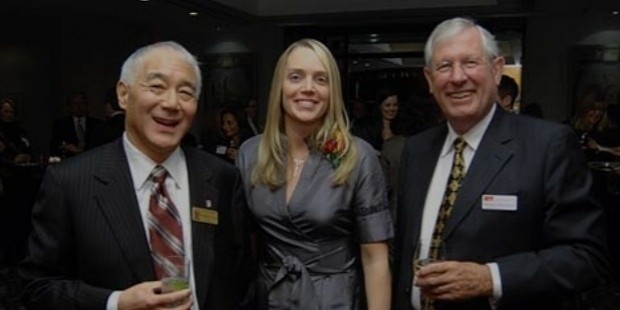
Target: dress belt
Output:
[(292, 287)]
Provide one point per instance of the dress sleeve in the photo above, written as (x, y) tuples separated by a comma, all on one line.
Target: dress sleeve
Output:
[(373, 218)]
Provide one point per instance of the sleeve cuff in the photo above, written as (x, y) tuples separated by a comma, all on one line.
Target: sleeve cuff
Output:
[(497, 285), (112, 303)]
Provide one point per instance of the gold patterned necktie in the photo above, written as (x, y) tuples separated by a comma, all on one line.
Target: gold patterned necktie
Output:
[(457, 173), (165, 229), (453, 185)]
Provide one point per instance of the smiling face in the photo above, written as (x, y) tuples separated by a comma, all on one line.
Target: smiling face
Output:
[(594, 115), (160, 104), (389, 108), (230, 126), (463, 79), (7, 112), (305, 89)]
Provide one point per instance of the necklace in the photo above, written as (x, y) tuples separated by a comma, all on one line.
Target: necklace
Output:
[(298, 164)]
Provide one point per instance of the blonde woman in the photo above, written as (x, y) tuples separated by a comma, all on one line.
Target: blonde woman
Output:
[(317, 194)]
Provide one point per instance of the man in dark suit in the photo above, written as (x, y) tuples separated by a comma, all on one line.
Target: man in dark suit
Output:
[(77, 132), (520, 229), (114, 124), (97, 234)]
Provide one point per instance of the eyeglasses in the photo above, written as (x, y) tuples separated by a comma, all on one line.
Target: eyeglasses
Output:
[(448, 66)]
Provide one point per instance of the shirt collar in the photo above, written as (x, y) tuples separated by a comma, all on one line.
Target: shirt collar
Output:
[(141, 165), (472, 137)]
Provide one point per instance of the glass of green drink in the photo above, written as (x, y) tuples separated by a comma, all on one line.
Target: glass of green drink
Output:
[(176, 274)]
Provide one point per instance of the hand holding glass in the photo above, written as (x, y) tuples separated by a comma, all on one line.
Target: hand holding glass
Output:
[(422, 254), (176, 276)]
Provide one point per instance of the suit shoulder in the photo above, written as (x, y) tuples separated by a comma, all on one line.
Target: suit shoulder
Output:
[(251, 144), (85, 162), (364, 148), (539, 127), (209, 160), (424, 137)]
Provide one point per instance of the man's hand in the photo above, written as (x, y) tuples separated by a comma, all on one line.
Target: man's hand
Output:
[(453, 280), (71, 148), (146, 296), (21, 159), (232, 152)]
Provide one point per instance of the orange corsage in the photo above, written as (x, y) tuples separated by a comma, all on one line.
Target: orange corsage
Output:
[(333, 148)]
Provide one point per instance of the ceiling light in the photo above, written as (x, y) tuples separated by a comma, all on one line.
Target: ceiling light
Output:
[(144, 0), (373, 35), (614, 12), (193, 13)]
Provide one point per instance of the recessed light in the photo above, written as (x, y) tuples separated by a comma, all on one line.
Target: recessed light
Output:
[(615, 12), (193, 13), (144, 0)]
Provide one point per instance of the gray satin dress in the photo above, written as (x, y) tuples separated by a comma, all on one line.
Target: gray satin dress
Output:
[(310, 249)]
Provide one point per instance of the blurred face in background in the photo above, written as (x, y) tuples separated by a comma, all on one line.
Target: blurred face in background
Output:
[(251, 109), (594, 115), (230, 126), (7, 112), (78, 105), (389, 108)]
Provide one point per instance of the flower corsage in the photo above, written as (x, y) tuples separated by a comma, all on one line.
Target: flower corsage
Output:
[(333, 149)]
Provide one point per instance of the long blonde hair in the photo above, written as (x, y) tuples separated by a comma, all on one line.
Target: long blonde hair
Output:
[(271, 163)]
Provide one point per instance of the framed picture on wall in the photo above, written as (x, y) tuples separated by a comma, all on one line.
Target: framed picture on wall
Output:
[(229, 79), (595, 75)]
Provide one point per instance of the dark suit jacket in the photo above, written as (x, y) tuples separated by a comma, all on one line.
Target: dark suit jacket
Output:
[(63, 130), (89, 239), (552, 246), (113, 128)]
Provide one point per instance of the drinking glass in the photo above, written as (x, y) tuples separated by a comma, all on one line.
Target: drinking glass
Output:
[(176, 276), (422, 254)]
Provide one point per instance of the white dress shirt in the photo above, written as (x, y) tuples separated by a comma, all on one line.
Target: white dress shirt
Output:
[(177, 184), (79, 124), (438, 186)]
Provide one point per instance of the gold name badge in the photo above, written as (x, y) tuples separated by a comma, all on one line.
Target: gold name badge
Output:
[(203, 215)]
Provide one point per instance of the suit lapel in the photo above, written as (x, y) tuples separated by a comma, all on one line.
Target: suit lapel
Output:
[(492, 154), (201, 190), (422, 172), (118, 202)]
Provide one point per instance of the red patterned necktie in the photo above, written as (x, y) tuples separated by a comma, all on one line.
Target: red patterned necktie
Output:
[(164, 221)]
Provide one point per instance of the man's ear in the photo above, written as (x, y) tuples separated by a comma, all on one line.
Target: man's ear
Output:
[(429, 78), (122, 93), (498, 68)]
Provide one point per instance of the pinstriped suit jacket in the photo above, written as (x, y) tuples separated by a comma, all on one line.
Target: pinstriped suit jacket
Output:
[(88, 237)]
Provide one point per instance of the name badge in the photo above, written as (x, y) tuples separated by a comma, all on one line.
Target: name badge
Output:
[(499, 202), (220, 149), (203, 215)]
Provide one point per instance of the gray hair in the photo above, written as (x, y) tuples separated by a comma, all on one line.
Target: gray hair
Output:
[(450, 28), (130, 66)]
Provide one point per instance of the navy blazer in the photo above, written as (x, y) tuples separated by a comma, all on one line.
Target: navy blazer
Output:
[(551, 246), (89, 239)]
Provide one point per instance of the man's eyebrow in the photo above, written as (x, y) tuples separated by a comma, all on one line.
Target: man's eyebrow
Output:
[(159, 75), (155, 75)]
